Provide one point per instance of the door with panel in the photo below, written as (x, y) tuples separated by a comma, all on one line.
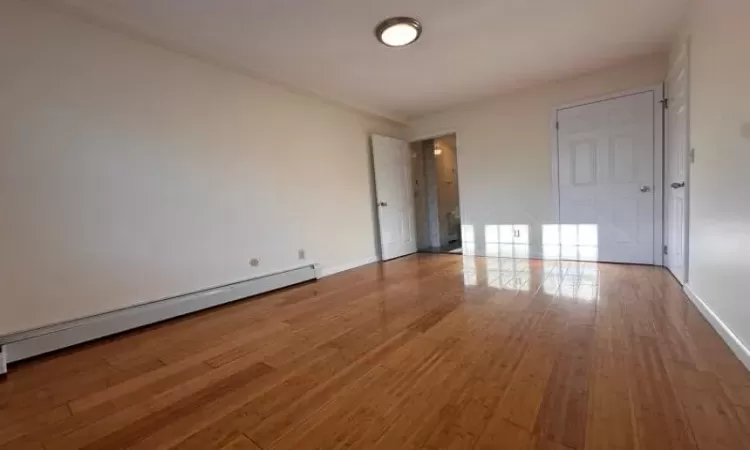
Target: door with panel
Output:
[(676, 166), (395, 196), (606, 179)]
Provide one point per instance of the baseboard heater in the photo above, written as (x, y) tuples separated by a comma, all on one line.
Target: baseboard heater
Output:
[(18, 346)]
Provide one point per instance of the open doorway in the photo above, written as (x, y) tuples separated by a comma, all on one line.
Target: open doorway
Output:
[(436, 198)]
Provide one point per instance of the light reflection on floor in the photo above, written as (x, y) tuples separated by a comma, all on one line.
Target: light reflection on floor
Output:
[(503, 263), (557, 278)]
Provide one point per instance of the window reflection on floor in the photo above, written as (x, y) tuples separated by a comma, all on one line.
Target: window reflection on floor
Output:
[(566, 250), (470, 270), (553, 276), (508, 274), (571, 279), (586, 276), (492, 270)]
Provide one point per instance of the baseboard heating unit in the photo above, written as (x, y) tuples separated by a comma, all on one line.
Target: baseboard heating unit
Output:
[(18, 346)]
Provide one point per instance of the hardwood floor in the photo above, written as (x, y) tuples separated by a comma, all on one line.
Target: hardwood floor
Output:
[(425, 352)]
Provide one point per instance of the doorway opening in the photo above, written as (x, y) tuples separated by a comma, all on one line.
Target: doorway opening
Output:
[(436, 197)]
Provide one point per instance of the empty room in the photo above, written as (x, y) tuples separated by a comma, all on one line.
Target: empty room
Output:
[(413, 224)]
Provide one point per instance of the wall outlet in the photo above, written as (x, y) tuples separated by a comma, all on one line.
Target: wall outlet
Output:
[(254, 262), (301, 254)]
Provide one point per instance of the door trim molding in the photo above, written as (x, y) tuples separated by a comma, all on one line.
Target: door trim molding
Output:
[(658, 92), (432, 137)]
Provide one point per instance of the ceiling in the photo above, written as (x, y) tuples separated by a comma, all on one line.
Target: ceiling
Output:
[(468, 49)]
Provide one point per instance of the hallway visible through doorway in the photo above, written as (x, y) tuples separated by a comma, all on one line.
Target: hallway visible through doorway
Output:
[(437, 206)]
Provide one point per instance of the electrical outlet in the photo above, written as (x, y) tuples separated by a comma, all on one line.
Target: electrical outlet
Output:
[(301, 254), (254, 262)]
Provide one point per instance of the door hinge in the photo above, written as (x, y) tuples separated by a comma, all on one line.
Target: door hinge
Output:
[(664, 102), (666, 250), (692, 156), (557, 125)]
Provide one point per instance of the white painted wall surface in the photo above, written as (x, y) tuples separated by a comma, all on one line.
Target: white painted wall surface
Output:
[(504, 162), (129, 173), (720, 133)]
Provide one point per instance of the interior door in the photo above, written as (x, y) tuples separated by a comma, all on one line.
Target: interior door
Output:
[(606, 179), (676, 168), (395, 196)]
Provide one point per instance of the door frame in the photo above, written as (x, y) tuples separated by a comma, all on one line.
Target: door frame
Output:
[(436, 135), (684, 55), (658, 92)]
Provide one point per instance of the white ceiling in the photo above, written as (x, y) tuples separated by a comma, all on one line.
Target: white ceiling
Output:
[(468, 48)]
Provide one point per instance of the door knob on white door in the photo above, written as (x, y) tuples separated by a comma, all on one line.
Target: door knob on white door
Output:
[(383, 204), (678, 185), (645, 188)]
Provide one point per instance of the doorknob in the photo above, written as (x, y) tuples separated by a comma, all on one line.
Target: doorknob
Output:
[(382, 204), (681, 184), (645, 188)]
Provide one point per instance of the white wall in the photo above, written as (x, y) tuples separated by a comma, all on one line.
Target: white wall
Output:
[(504, 162), (720, 178), (129, 173)]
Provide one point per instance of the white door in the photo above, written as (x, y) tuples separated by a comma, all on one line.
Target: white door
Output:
[(606, 180), (676, 168), (395, 196)]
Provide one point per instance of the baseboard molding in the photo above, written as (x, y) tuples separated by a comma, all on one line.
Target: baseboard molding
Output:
[(3, 361), (726, 333), (322, 272), (35, 342)]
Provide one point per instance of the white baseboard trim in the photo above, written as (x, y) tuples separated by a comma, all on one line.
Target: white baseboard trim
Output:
[(35, 342), (726, 333), (3, 361), (322, 272)]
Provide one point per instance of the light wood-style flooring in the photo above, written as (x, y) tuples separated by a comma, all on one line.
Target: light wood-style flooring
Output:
[(424, 352)]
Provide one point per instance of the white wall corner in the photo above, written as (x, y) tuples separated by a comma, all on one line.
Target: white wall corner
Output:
[(3, 361), (726, 333), (322, 272)]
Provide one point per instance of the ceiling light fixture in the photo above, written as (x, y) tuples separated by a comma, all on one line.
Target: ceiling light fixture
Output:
[(398, 31)]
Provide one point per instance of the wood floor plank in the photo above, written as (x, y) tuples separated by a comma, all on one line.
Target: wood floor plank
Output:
[(563, 414), (241, 442), (424, 352)]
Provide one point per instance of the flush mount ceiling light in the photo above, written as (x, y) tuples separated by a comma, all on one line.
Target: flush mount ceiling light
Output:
[(398, 31)]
